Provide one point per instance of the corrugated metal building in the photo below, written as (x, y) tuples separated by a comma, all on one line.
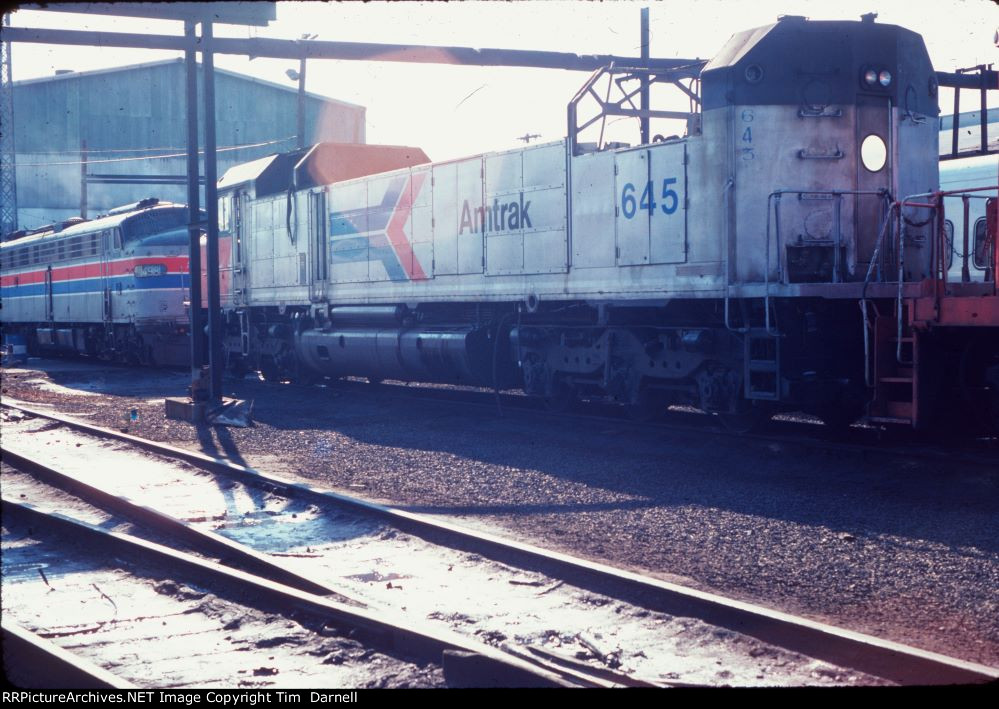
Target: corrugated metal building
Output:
[(128, 114)]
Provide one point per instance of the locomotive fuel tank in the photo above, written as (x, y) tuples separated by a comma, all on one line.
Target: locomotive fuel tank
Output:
[(457, 355)]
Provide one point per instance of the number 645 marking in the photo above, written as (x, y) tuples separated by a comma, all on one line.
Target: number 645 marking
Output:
[(630, 206)]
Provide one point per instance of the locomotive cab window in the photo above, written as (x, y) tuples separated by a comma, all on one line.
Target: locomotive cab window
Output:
[(949, 242), (981, 257), (873, 153), (225, 217)]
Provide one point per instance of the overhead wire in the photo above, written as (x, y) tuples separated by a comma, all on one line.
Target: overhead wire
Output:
[(150, 157)]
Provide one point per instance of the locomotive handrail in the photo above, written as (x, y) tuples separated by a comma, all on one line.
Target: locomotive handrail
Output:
[(616, 108), (774, 197), (863, 293), (727, 191), (936, 203)]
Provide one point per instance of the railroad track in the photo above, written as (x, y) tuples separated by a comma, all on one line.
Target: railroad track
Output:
[(156, 585), (888, 445), (546, 574), (42, 663), (802, 434)]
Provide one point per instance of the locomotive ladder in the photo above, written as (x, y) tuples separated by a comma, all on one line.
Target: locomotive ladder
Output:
[(896, 366), (761, 365)]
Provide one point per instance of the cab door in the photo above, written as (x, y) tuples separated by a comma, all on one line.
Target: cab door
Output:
[(874, 172), (318, 251), (49, 304), (237, 227), (106, 248)]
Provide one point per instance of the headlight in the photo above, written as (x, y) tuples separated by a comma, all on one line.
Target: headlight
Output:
[(870, 77), (884, 78)]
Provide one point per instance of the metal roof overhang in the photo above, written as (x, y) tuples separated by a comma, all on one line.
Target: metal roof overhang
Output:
[(229, 13)]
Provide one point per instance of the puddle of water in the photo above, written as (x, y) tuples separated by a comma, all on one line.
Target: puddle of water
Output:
[(377, 576), (80, 390)]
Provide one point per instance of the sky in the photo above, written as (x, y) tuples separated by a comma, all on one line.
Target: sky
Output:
[(454, 111)]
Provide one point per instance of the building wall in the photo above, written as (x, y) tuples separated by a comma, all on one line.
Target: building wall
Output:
[(141, 111)]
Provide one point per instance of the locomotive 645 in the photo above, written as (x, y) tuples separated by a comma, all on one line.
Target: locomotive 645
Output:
[(726, 269), (789, 252)]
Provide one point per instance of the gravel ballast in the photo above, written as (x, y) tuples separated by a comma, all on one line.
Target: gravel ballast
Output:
[(905, 550)]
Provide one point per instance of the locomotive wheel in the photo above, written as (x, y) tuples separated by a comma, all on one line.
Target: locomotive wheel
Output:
[(561, 398), (269, 369), (650, 406), (300, 374), (748, 419), (838, 420), (979, 380), (238, 368), (843, 413)]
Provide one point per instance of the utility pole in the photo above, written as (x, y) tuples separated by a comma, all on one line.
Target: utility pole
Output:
[(83, 179), (644, 120), (301, 102)]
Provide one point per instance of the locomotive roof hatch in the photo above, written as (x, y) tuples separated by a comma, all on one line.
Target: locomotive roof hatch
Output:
[(268, 175), (796, 61)]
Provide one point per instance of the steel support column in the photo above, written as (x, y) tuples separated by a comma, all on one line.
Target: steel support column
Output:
[(215, 360), (301, 103), (644, 120), (193, 205)]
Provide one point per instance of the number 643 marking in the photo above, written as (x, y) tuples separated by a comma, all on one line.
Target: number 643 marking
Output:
[(630, 206)]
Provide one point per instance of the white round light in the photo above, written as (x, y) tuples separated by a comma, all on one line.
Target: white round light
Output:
[(873, 152), (870, 77), (884, 78)]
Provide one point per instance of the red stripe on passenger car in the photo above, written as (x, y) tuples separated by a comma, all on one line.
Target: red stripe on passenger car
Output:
[(123, 267)]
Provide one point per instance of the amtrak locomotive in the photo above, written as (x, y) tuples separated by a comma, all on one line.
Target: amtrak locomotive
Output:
[(114, 287), (767, 260), (788, 252)]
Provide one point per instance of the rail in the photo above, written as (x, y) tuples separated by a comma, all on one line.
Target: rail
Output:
[(932, 201), (981, 78), (876, 656)]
